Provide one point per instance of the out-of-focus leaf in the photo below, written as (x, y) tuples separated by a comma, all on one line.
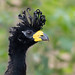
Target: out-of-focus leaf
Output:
[(65, 43)]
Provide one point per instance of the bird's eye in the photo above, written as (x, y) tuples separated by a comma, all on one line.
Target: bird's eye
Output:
[(29, 32)]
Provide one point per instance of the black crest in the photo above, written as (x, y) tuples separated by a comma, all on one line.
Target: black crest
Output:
[(36, 21)]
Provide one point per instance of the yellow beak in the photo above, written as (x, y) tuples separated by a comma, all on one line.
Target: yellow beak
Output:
[(40, 36)]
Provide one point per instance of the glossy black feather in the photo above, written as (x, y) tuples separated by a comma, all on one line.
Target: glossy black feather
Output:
[(18, 43)]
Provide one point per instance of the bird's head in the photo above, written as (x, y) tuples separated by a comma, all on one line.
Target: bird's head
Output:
[(29, 30)]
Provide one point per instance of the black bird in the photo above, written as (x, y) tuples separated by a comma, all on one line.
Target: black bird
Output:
[(24, 35)]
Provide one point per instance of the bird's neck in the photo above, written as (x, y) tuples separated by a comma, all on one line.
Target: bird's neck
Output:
[(17, 54)]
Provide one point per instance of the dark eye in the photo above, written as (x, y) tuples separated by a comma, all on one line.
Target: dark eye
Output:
[(29, 32)]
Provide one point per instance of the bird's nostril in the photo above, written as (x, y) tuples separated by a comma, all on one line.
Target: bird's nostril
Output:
[(41, 35)]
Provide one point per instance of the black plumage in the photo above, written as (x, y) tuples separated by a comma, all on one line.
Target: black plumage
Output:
[(19, 42)]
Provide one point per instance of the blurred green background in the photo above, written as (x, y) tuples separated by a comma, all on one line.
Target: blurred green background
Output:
[(56, 57)]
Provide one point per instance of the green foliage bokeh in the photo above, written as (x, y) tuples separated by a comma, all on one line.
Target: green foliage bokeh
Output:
[(56, 57)]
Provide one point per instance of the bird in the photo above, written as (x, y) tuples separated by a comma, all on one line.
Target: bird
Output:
[(22, 36)]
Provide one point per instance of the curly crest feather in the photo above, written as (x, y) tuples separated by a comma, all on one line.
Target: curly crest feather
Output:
[(36, 21)]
